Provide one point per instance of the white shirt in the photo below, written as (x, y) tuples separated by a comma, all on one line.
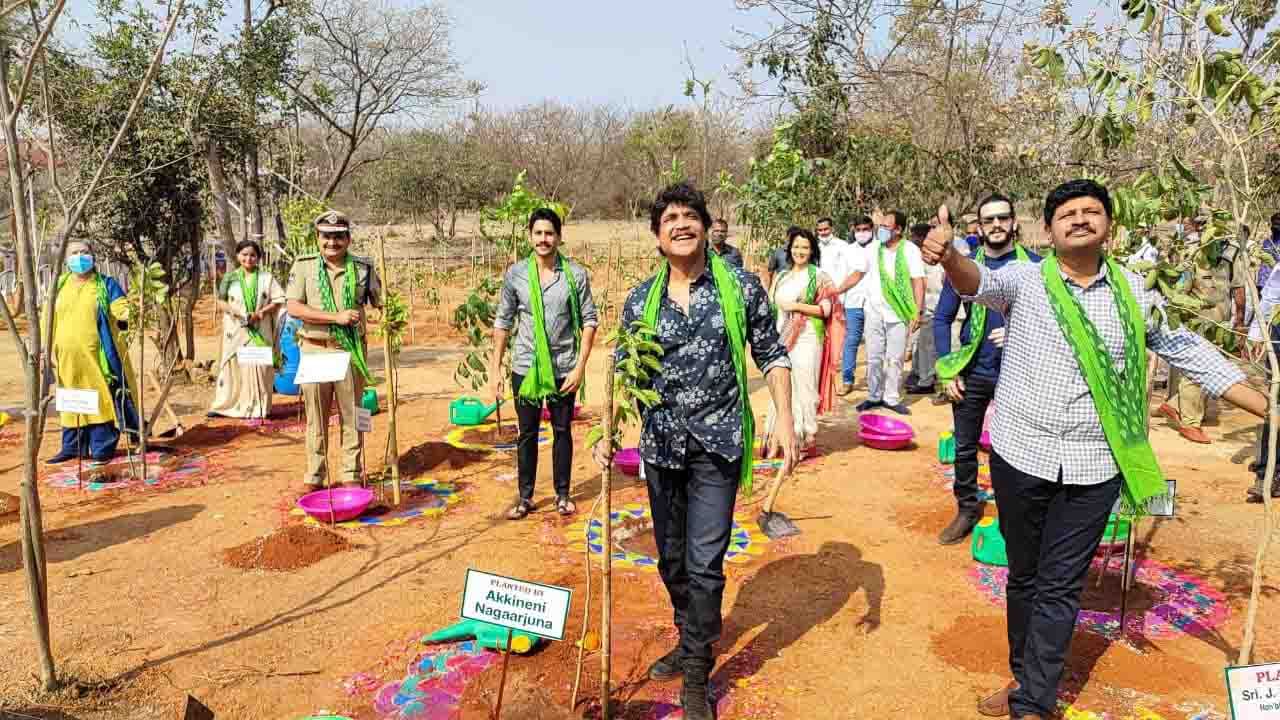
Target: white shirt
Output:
[(856, 255), (835, 259), (874, 294), (1146, 253), (934, 276)]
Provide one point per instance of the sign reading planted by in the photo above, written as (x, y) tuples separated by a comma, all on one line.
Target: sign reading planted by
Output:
[(517, 604), (70, 400), (1254, 692)]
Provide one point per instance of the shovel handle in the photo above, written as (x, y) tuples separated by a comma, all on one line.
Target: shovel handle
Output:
[(777, 485)]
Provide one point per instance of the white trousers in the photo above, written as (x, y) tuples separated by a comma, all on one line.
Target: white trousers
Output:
[(886, 340)]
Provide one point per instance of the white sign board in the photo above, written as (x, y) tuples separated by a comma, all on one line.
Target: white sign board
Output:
[(256, 356), (322, 367), (1159, 506), (364, 420), (81, 402), (517, 604), (1254, 692)]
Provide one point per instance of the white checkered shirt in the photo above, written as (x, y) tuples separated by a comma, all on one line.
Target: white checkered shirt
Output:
[(1045, 419)]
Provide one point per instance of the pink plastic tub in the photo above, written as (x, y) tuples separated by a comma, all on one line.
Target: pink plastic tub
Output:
[(627, 460), (348, 503), (885, 426), (884, 442)]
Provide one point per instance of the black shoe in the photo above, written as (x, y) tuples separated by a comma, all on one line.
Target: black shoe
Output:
[(60, 458), (866, 405), (667, 667), (695, 695), (919, 389), (900, 409), (960, 527)]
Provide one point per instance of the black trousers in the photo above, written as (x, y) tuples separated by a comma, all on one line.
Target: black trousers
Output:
[(692, 521), (1051, 533), (530, 417), (967, 416)]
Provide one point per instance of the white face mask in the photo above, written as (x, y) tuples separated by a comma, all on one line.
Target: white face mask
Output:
[(862, 236)]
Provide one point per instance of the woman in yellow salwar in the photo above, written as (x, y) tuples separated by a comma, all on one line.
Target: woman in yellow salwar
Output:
[(249, 299), (88, 355)]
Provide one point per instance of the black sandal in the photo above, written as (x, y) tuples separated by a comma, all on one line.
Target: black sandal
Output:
[(565, 506), (520, 510)]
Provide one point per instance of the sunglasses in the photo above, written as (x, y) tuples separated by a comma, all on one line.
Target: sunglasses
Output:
[(993, 219)]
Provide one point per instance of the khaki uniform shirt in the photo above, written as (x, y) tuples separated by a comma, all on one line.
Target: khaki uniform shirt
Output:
[(1216, 285), (304, 287)]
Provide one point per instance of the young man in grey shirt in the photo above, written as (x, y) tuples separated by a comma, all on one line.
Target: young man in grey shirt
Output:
[(568, 328)]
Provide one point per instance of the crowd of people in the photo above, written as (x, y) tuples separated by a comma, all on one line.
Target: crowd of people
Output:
[(1056, 341)]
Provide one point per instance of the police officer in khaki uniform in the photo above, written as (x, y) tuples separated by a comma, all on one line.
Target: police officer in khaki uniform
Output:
[(319, 333), (1221, 287)]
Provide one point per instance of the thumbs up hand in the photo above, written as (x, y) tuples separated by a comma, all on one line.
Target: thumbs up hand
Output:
[(937, 245)]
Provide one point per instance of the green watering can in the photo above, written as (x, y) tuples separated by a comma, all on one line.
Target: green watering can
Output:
[(988, 543), (468, 410), (947, 448), (487, 635)]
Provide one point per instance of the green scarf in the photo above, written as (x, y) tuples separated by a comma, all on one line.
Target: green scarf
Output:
[(1119, 397), (347, 336), (104, 307), (953, 363), (811, 298), (898, 292), (540, 382), (249, 293), (734, 310)]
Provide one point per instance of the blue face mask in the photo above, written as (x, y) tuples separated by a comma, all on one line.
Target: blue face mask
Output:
[(884, 234), (80, 263)]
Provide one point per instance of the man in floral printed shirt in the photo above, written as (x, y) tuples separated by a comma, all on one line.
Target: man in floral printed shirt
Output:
[(692, 441)]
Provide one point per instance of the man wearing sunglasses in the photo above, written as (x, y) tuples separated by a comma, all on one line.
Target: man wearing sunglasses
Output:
[(968, 375)]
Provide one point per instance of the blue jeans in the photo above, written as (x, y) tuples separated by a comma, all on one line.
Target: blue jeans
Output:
[(855, 319)]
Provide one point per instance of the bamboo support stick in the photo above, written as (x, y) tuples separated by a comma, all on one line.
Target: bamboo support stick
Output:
[(392, 455), (606, 575)]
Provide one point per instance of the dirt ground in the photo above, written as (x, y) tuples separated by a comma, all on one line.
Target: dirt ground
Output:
[(149, 604)]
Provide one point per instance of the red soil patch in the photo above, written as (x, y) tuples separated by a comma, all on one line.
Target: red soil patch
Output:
[(8, 508), (289, 548), (431, 455), (978, 644), (636, 535)]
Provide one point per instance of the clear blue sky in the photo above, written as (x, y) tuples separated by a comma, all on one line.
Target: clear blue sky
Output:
[(596, 50)]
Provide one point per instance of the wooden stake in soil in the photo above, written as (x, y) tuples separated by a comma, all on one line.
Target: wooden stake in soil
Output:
[(392, 455), (606, 576), (502, 683)]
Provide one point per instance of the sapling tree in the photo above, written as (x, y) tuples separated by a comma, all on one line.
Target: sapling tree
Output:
[(21, 55), (504, 224), (474, 318), (1171, 81), (628, 390)]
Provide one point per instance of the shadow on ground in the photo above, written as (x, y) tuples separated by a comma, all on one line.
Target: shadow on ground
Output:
[(71, 542)]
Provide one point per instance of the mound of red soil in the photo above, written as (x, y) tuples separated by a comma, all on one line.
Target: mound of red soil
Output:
[(289, 548), (431, 455)]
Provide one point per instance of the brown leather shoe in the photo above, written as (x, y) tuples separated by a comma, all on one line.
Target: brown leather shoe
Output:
[(1194, 434), (1169, 412), (997, 705)]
